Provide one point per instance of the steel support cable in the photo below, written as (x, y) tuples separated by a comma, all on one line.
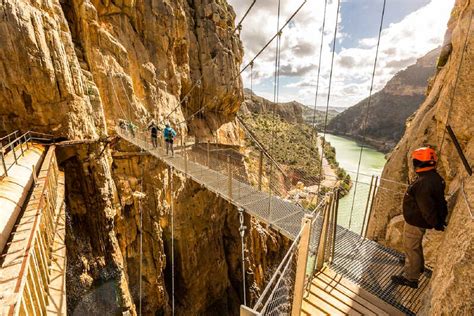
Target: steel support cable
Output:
[(233, 80), (242, 229), (456, 83), (118, 100), (274, 36), (313, 123), (364, 126), (275, 101), (317, 94), (465, 199), (141, 238), (323, 140), (172, 241), (239, 25)]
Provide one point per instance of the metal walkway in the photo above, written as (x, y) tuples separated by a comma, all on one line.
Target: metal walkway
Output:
[(364, 262)]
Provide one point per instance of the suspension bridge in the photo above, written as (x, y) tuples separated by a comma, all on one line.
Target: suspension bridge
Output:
[(344, 260)]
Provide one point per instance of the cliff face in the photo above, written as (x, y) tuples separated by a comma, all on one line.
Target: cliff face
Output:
[(75, 67), (390, 107), (449, 100)]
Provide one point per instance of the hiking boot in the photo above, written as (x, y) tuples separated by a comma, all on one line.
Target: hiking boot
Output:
[(401, 280)]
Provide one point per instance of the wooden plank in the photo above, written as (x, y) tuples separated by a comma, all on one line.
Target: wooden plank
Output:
[(323, 305), (371, 298), (309, 308), (356, 302), (345, 296), (334, 301)]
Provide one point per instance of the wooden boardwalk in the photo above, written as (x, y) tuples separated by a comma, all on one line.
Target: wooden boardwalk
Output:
[(331, 294)]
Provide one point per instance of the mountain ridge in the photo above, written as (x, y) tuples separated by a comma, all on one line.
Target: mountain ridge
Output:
[(389, 108)]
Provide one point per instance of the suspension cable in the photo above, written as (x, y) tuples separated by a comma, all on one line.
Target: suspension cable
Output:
[(319, 67), (172, 240), (275, 101), (455, 84), (323, 140), (364, 125), (141, 237), (239, 25), (316, 99), (242, 229)]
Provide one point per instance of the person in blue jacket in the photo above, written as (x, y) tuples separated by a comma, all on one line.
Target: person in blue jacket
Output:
[(169, 134)]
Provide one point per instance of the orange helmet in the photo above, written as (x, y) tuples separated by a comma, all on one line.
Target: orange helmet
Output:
[(424, 159)]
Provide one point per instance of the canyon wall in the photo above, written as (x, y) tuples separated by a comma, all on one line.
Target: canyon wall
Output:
[(450, 100), (73, 69)]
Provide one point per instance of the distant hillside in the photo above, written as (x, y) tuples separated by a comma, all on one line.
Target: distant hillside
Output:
[(319, 115), (390, 107), (291, 112)]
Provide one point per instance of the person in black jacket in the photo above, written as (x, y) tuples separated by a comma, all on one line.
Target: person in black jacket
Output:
[(424, 207), (154, 129)]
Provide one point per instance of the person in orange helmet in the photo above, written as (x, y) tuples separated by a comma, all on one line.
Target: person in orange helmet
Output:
[(424, 207)]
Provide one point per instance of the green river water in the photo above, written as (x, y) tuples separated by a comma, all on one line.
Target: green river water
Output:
[(372, 163)]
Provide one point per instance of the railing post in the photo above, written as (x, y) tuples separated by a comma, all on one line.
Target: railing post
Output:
[(208, 154), (26, 141), (247, 311), (229, 171), (14, 153), (323, 237), (260, 170), (335, 208), (185, 163), (374, 193), (367, 206), (4, 164), (21, 147), (301, 264), (35, 179)]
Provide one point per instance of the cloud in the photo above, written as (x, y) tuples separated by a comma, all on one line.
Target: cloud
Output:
[(401, 44), (347, 62)]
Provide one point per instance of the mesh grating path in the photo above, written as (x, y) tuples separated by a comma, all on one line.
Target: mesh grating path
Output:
[(364, 262)]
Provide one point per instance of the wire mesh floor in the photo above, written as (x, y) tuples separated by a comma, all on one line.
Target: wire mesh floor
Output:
[(364, 262)]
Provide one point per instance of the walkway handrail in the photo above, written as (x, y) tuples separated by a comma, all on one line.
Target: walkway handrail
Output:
[(8, 136), (31, 287), (10, 147)]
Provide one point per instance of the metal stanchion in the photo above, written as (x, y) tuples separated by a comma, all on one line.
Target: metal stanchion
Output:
[(229, 184), (260, 170), (4, 164)]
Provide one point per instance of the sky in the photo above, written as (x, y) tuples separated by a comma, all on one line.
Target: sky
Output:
[(411, 28)]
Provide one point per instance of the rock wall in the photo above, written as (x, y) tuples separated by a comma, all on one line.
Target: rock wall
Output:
[(450, 100), (74, 67)]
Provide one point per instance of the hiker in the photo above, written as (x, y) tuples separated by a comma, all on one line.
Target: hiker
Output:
[(424, 207), (153, 128), (131, 128), (169, 135)]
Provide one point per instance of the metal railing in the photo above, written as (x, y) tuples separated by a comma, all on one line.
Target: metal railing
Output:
[(28, 290), (14, 146)]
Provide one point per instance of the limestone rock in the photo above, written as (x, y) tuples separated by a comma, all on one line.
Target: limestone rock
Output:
[(450, 252)]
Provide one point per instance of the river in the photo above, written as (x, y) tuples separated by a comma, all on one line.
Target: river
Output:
[(372, 163)]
